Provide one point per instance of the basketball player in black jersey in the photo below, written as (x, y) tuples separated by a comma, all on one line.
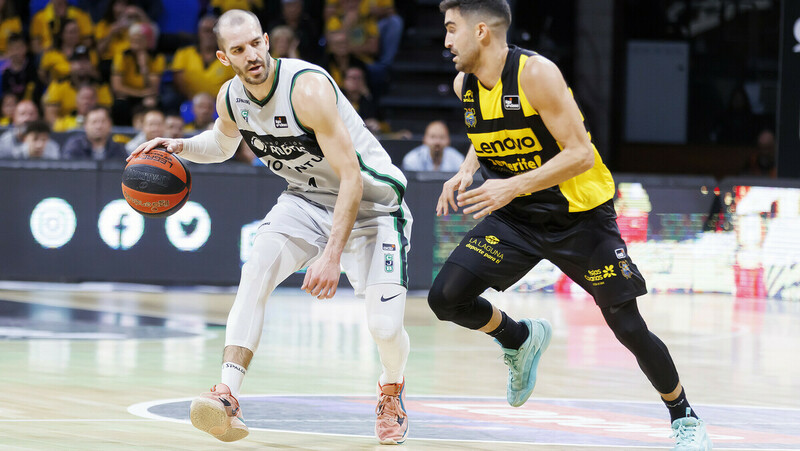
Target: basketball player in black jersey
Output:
[(546, 195)]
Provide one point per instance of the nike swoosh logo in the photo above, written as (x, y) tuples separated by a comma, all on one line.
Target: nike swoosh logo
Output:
[(383, 299)]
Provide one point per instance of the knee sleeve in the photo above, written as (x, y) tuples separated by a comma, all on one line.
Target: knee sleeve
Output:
[(386, 304), (455, 296), (273, 258), (651, 353), (627, 324)]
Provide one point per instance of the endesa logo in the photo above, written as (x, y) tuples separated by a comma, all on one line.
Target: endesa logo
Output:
[(506, 142)]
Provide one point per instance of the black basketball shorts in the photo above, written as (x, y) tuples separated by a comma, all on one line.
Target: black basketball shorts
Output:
[(586, 246)]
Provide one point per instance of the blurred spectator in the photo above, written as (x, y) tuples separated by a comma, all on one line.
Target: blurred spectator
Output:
[(47, 23), (761, 162), (111, 32), (355, 89), (10, 23), (306, 28), (85, 101), (390, 33), (8, 107), (136, 73), (353, 17), (61, 97), (338, 57), (173, 126), (20, 76), (98, 8), (152, 127), (11, 144), (137, 115), (283, 43), (95, 143), (435, 153), (196, 67), (203, 109), (54, 64), (36, 142), (29, 140)]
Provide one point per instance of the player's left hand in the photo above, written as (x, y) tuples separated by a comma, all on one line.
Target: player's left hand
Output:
[(492, 195), (322, 278)]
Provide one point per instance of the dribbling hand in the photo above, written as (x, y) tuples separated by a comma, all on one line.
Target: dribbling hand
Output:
[(171, 145)]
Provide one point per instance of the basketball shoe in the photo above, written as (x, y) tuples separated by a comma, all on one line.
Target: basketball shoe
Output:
[(522, 362), (391, 425), (690, 434), (218, 413)]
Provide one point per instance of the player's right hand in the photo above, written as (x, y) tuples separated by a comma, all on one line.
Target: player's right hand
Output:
[(459, 182), (172, 146)]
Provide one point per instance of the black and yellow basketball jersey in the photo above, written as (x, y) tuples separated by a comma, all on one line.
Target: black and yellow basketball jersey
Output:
[(510, 138)]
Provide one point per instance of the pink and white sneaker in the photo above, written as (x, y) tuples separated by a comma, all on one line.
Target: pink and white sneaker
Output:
[(218, 413), (391, 426)]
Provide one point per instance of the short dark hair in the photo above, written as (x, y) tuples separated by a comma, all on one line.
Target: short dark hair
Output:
[(495, 8), (99, 108), (36, 126)]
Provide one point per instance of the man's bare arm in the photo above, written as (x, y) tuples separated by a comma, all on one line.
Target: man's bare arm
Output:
[(314, 101)]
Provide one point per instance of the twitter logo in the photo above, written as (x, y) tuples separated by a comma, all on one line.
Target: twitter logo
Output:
[(189, 228)]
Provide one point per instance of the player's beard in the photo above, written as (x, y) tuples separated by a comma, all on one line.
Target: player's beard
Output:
[(245, 74)]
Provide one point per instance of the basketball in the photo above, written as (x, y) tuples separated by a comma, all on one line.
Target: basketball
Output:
[(156, 184)]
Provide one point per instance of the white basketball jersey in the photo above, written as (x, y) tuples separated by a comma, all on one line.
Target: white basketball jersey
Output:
[(273, 132)]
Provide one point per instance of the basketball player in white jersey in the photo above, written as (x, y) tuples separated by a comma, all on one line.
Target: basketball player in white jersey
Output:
[(343, 209)]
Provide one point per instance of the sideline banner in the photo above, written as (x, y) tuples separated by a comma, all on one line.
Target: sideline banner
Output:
[(788, 121)]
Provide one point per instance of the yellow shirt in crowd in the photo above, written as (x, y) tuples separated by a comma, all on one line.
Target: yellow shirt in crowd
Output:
[(41, 29), (125, 64), (200, 78)]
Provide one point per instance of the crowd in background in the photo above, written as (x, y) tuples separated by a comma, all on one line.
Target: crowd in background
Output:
[(102, 65)]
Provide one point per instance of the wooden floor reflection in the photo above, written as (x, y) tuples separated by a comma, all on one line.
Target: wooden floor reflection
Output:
[(69, 386)]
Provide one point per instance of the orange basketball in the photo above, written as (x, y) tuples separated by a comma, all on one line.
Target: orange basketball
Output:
[(156, 184)]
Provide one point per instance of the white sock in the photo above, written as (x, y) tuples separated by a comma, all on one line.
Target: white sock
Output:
[(233, 376)]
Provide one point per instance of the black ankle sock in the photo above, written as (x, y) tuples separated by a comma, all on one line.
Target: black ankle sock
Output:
[(511, 334), (677, 407)]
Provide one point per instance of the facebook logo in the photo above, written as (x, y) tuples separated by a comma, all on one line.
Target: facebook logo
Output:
[(120, 227)]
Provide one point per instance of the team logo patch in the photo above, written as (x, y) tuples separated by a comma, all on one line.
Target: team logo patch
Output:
[(468, 96), (620, 253), (511, 102), (469, 117), (281, 122), (491, 239), (389, 247), (625, 269), (245, 116), (388, 262)]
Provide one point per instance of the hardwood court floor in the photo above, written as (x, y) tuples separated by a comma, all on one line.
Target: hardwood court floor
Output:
[(68, 386)]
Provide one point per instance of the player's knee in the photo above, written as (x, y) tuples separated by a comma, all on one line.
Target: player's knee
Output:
[(384, 328), (629, 330), (256, 262), (440, 302)]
